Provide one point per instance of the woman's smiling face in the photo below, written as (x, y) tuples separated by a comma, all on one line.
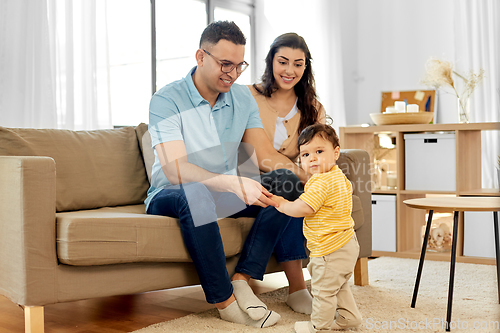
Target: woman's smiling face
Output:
[(288, 67)]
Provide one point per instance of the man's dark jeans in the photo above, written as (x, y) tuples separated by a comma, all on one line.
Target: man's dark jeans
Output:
[(198, 209)]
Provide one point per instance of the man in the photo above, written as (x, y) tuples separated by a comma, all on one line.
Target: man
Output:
[(196, 126)]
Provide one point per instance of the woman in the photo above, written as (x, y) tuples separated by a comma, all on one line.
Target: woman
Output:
[(287, 104), (287, 95)]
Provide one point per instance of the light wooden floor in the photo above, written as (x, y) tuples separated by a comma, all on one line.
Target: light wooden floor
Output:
[(122, 313)]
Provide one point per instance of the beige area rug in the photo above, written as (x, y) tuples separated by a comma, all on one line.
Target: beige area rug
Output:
[(385, 303)]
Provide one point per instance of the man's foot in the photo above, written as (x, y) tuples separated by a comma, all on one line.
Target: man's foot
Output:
[(300, 301), (235, 314), (247, 300)]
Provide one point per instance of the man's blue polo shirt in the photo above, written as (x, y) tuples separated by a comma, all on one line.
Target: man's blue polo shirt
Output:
[(211, 135)]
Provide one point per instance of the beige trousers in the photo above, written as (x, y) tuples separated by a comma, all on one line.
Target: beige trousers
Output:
[(330, 290)]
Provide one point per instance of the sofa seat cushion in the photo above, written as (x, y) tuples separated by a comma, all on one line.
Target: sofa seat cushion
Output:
[(126, 234)]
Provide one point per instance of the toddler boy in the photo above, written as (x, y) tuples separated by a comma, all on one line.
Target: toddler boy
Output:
[(328, 227)]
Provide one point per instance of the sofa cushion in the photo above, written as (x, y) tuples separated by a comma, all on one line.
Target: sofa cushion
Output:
[(113, 235), (148, 155), (93, 168)]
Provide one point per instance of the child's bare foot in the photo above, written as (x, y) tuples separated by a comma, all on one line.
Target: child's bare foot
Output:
[(303, 327)]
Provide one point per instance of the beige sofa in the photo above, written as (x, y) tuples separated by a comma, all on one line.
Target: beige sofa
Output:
[(73, 225)]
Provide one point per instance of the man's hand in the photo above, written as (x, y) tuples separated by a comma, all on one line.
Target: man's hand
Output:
[(252, 192)]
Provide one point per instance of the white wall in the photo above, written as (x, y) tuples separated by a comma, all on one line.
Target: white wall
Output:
[(349, 37), (394, 39)]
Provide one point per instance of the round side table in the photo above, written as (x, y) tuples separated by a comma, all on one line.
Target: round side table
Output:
[(456, 205)]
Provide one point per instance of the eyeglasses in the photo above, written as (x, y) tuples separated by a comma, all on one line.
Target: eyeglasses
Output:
[(227, 67)]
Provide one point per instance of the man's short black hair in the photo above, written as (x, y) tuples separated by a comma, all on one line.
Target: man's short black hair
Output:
[(218, 30), (325, 131)]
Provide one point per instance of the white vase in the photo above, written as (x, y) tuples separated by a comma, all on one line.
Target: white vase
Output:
[(463, 110), (498, 178)]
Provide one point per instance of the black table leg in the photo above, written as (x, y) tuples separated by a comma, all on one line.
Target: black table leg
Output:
[(452, 270), (422, 257), (497, 248)]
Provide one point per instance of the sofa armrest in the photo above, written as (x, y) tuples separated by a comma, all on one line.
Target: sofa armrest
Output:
[(28, 258), (355, 163)]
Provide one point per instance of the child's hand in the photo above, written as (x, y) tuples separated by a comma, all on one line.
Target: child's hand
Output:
[(280, 201), (297, 208)]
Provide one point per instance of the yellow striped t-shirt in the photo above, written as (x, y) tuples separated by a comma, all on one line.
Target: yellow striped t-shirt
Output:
[(331, 227)]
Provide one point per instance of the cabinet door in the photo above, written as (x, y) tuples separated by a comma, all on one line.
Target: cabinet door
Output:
[(479, 234), (384, 223)]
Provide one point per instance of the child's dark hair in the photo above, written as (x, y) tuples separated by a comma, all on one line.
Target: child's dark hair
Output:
[(325, 131), (218, 30)]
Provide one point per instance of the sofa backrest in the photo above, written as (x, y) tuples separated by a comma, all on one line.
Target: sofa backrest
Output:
[(94, 169)]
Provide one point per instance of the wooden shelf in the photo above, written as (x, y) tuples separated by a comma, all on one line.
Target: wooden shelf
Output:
[(409, 221), (411, 128), (385, 191), (487, 192), (427, 192)]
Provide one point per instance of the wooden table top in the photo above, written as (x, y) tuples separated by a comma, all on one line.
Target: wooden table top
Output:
[(459, 204)]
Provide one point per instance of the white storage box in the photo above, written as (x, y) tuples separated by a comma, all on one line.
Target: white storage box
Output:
[(430, 162), (479, 234), (384, 222)]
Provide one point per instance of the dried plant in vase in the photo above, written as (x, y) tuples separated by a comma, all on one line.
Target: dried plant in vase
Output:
[(377, 152), (440, 73)]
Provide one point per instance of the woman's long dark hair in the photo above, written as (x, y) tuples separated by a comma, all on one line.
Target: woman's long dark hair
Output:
[(305, 89)]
